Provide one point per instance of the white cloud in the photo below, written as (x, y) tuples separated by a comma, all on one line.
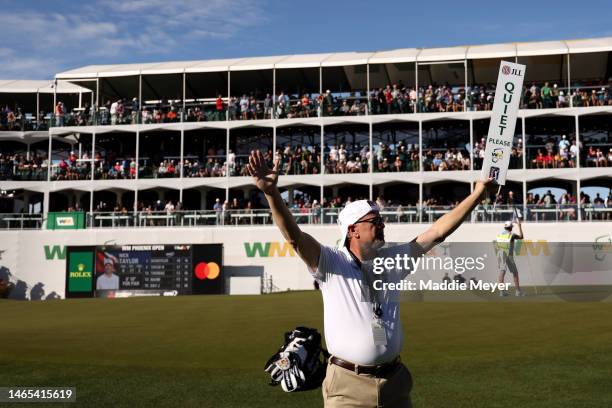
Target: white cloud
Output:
[(109, 32)]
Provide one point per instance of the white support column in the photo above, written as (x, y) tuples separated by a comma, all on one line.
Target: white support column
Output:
[(320, 79), (28, 151), (80, 99), (370, 165), (49, 161), (367, 98), (182, 163), (421, 148), (578, 144), (569, 82), (273, 142), (227, 173), (322, 195), (320, 112), (229, 82), (524, 144), (322, 172), (471, 144), (91, 201), (54, 95), (46, 196), (37, 116), (416, 87), (578, 188), (465, 65), (322, 151), (420, 213), (96, 111), (93, 156), (420, 206), (524, 199), (140, 104), (137, 157), (274, 99), (371, 162), (136, 200), (184, 96)]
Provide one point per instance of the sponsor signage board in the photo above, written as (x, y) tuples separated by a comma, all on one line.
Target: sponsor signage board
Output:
[(503, 121)]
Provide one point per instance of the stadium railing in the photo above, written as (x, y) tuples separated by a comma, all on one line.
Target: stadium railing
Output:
[(318, 216), (21, 221)]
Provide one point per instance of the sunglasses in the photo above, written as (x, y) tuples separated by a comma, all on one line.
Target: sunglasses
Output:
[(376, 221)]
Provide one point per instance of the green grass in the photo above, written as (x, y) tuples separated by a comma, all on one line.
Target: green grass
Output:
[(209, 351)]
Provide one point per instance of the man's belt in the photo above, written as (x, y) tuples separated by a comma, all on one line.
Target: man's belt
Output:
[(375, 370)]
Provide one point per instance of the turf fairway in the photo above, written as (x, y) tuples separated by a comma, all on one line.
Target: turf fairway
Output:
[(209, 351)]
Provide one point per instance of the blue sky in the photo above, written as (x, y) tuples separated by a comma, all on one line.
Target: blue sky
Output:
[(42, 38)]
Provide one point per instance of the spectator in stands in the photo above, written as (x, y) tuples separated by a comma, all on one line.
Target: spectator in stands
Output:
[(172, 115), (592, 157), (561, 100), (113, 112), (169, 208), (567, 208), (219, 108), (547, 101), (135, 108), (60, 112), (120, 111), (268, 107), (232, 108)]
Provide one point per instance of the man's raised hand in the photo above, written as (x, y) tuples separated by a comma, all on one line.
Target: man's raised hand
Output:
[(264, 178), (486, 186)]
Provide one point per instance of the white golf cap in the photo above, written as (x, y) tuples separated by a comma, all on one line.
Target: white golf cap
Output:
[(351, 213), (508, 224)]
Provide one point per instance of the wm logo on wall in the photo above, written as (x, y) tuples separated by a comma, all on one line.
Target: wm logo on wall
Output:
[(528, 247), (55, 252), (268, 249)]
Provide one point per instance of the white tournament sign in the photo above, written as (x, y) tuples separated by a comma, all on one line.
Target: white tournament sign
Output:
[(503, 121)]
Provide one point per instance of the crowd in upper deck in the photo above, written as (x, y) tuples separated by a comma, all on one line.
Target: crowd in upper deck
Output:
[(394, 98)]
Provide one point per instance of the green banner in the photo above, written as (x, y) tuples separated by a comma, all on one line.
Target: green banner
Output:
[(66, 220), (80, 272)]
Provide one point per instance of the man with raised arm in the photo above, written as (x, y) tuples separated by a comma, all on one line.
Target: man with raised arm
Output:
[(363, 332)]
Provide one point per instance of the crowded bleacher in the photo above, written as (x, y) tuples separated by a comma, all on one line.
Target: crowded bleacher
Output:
[(391, 99)]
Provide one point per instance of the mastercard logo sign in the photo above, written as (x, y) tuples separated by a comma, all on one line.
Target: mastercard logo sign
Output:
[(207, 270)]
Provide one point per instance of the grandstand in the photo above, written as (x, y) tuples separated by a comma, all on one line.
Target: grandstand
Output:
[(164, 144)]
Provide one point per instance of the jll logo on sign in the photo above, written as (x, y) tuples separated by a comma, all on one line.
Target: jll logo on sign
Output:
[(506, 70)]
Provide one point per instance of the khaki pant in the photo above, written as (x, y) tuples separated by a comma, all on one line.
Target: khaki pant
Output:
[(343, 388)]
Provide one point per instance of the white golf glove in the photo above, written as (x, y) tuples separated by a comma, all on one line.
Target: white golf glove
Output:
[(286, 369)]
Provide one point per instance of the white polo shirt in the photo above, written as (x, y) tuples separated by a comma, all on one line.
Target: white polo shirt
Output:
[(348, 317), (107, 283)]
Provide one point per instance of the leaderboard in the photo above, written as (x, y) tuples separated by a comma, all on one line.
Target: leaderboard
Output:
[(161, 267), (144, 270)]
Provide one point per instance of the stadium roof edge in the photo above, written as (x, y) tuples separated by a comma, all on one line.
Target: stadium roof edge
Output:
[(504, 50), (39, 86)]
